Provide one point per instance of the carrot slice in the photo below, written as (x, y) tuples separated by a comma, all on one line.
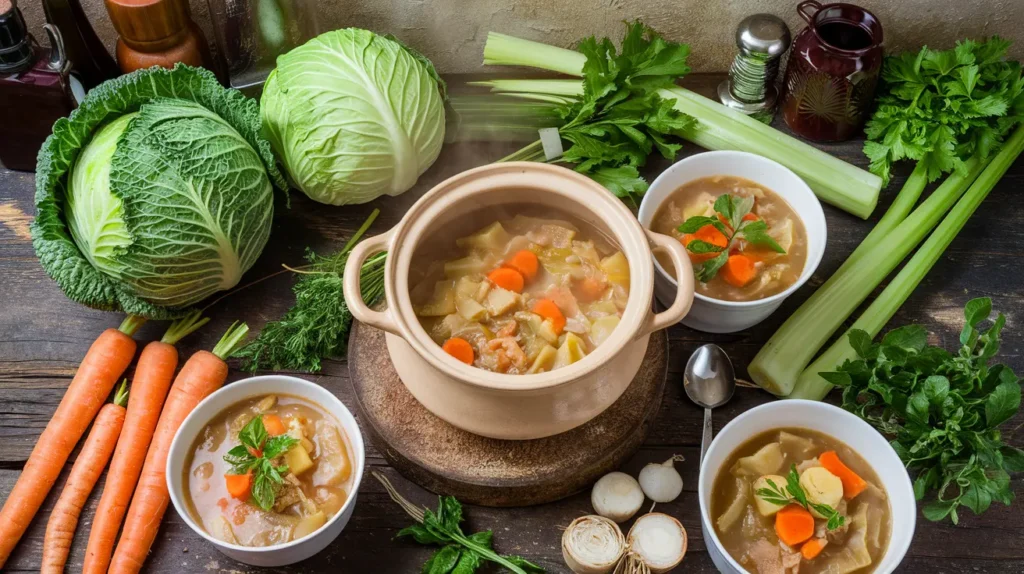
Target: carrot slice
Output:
[(708, 234), (853, 484), (549, 310), (590, 289), (739, 270), (794, 524), (460, 349), (239, 485), (274, 425), (526, 263), (507, 278), (812, 548), (751, 217)]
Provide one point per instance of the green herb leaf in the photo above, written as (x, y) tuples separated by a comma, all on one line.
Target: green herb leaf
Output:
[(253, 434), (443, 561), (700, 247), (706, 271), (756, 232), (697, 222), (278, 445), (240, 460)]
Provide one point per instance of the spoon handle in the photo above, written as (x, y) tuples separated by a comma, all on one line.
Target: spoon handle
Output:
[(705, 440)]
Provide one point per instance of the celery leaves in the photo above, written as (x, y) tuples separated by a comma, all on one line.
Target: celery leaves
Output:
[(941, 107)]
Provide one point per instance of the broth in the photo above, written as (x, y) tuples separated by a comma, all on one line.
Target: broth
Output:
[(772, 272), (523, 294), (315, 487), (738, 512)]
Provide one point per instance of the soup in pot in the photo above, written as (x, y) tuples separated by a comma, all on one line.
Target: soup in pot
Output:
[(522, 294), (744, 240), (794, 501), (268, 470)]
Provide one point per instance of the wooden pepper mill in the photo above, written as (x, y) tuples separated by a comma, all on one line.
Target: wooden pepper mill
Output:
[(157, 33)]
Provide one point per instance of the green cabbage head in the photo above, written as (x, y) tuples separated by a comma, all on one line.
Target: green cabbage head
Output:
[(353, 116), (155, 193)]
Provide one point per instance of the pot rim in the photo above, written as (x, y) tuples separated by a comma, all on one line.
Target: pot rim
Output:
[(626, 231), (813, 259)]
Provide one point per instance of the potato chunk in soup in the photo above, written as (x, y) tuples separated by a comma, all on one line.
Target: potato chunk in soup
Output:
[(843, 529)]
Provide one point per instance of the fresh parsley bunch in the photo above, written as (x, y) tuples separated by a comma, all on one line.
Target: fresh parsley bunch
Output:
[(941, 107), (942, 410), (460, 553), (620, 118), (256, 455)]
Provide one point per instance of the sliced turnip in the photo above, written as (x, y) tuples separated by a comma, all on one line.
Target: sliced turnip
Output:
[(659, 540), (592, 545)]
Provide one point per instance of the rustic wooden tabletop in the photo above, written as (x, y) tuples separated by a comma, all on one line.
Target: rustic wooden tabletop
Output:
[(43, 336)]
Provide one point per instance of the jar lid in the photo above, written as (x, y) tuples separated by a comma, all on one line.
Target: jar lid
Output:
[(15, 41), (148, 20)]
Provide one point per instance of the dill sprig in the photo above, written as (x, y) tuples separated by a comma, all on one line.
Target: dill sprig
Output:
[(317, 326)]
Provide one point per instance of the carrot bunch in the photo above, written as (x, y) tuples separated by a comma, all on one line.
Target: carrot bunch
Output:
[(136, 429)]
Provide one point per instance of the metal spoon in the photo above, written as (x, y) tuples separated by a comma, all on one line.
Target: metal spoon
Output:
[(709, 382)]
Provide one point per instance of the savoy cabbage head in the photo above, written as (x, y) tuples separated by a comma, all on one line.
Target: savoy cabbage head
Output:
[(354, 115), (155, 193)]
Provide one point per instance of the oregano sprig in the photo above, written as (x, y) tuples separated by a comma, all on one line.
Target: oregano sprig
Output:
[(255, 455)]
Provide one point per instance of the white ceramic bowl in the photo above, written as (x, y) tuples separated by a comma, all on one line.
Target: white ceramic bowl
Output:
[(211, 406), (713, 315), (830, 420)]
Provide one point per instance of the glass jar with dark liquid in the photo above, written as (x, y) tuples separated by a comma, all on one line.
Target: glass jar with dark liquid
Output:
[(832, 72), (36, 88)]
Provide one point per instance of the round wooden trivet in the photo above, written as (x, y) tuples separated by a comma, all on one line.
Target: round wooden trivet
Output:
[(491, 472)]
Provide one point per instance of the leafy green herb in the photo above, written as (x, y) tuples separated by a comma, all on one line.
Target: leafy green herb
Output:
[(794, 493), (941, 410), (317, 326), (620, 119), (460, 553), (940, 107), (255, 454), (731, 209)]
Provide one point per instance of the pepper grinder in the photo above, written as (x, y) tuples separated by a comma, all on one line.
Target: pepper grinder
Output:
[(762, 39)]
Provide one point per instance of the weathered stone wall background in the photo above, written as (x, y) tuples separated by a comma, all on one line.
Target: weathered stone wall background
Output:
[(452, 32)]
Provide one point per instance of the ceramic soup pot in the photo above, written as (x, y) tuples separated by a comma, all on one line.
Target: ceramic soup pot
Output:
[(500, 405)]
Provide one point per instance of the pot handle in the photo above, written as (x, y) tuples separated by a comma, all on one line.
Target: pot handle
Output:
[(351, 289), (807, 10), (684, 282)]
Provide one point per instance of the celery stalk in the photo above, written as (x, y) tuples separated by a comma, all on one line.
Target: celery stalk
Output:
[(573, 88), (718, 127), (505, 50), (905, 201), (810, 385), (778, 364)]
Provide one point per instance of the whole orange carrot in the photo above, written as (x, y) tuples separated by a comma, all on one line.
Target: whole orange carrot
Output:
[(153, 375), (99, 371), (203, 373), (99, 445)]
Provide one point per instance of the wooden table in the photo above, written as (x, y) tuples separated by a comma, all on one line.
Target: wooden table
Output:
[(43, 336)]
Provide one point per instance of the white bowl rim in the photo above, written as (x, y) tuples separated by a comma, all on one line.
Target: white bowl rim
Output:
[(333, 410), (810, 266), (903, 487)]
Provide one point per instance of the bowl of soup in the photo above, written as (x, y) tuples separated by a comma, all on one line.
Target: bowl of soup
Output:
[(519, 298), (753, 230), (803, 486), (267, 469)]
